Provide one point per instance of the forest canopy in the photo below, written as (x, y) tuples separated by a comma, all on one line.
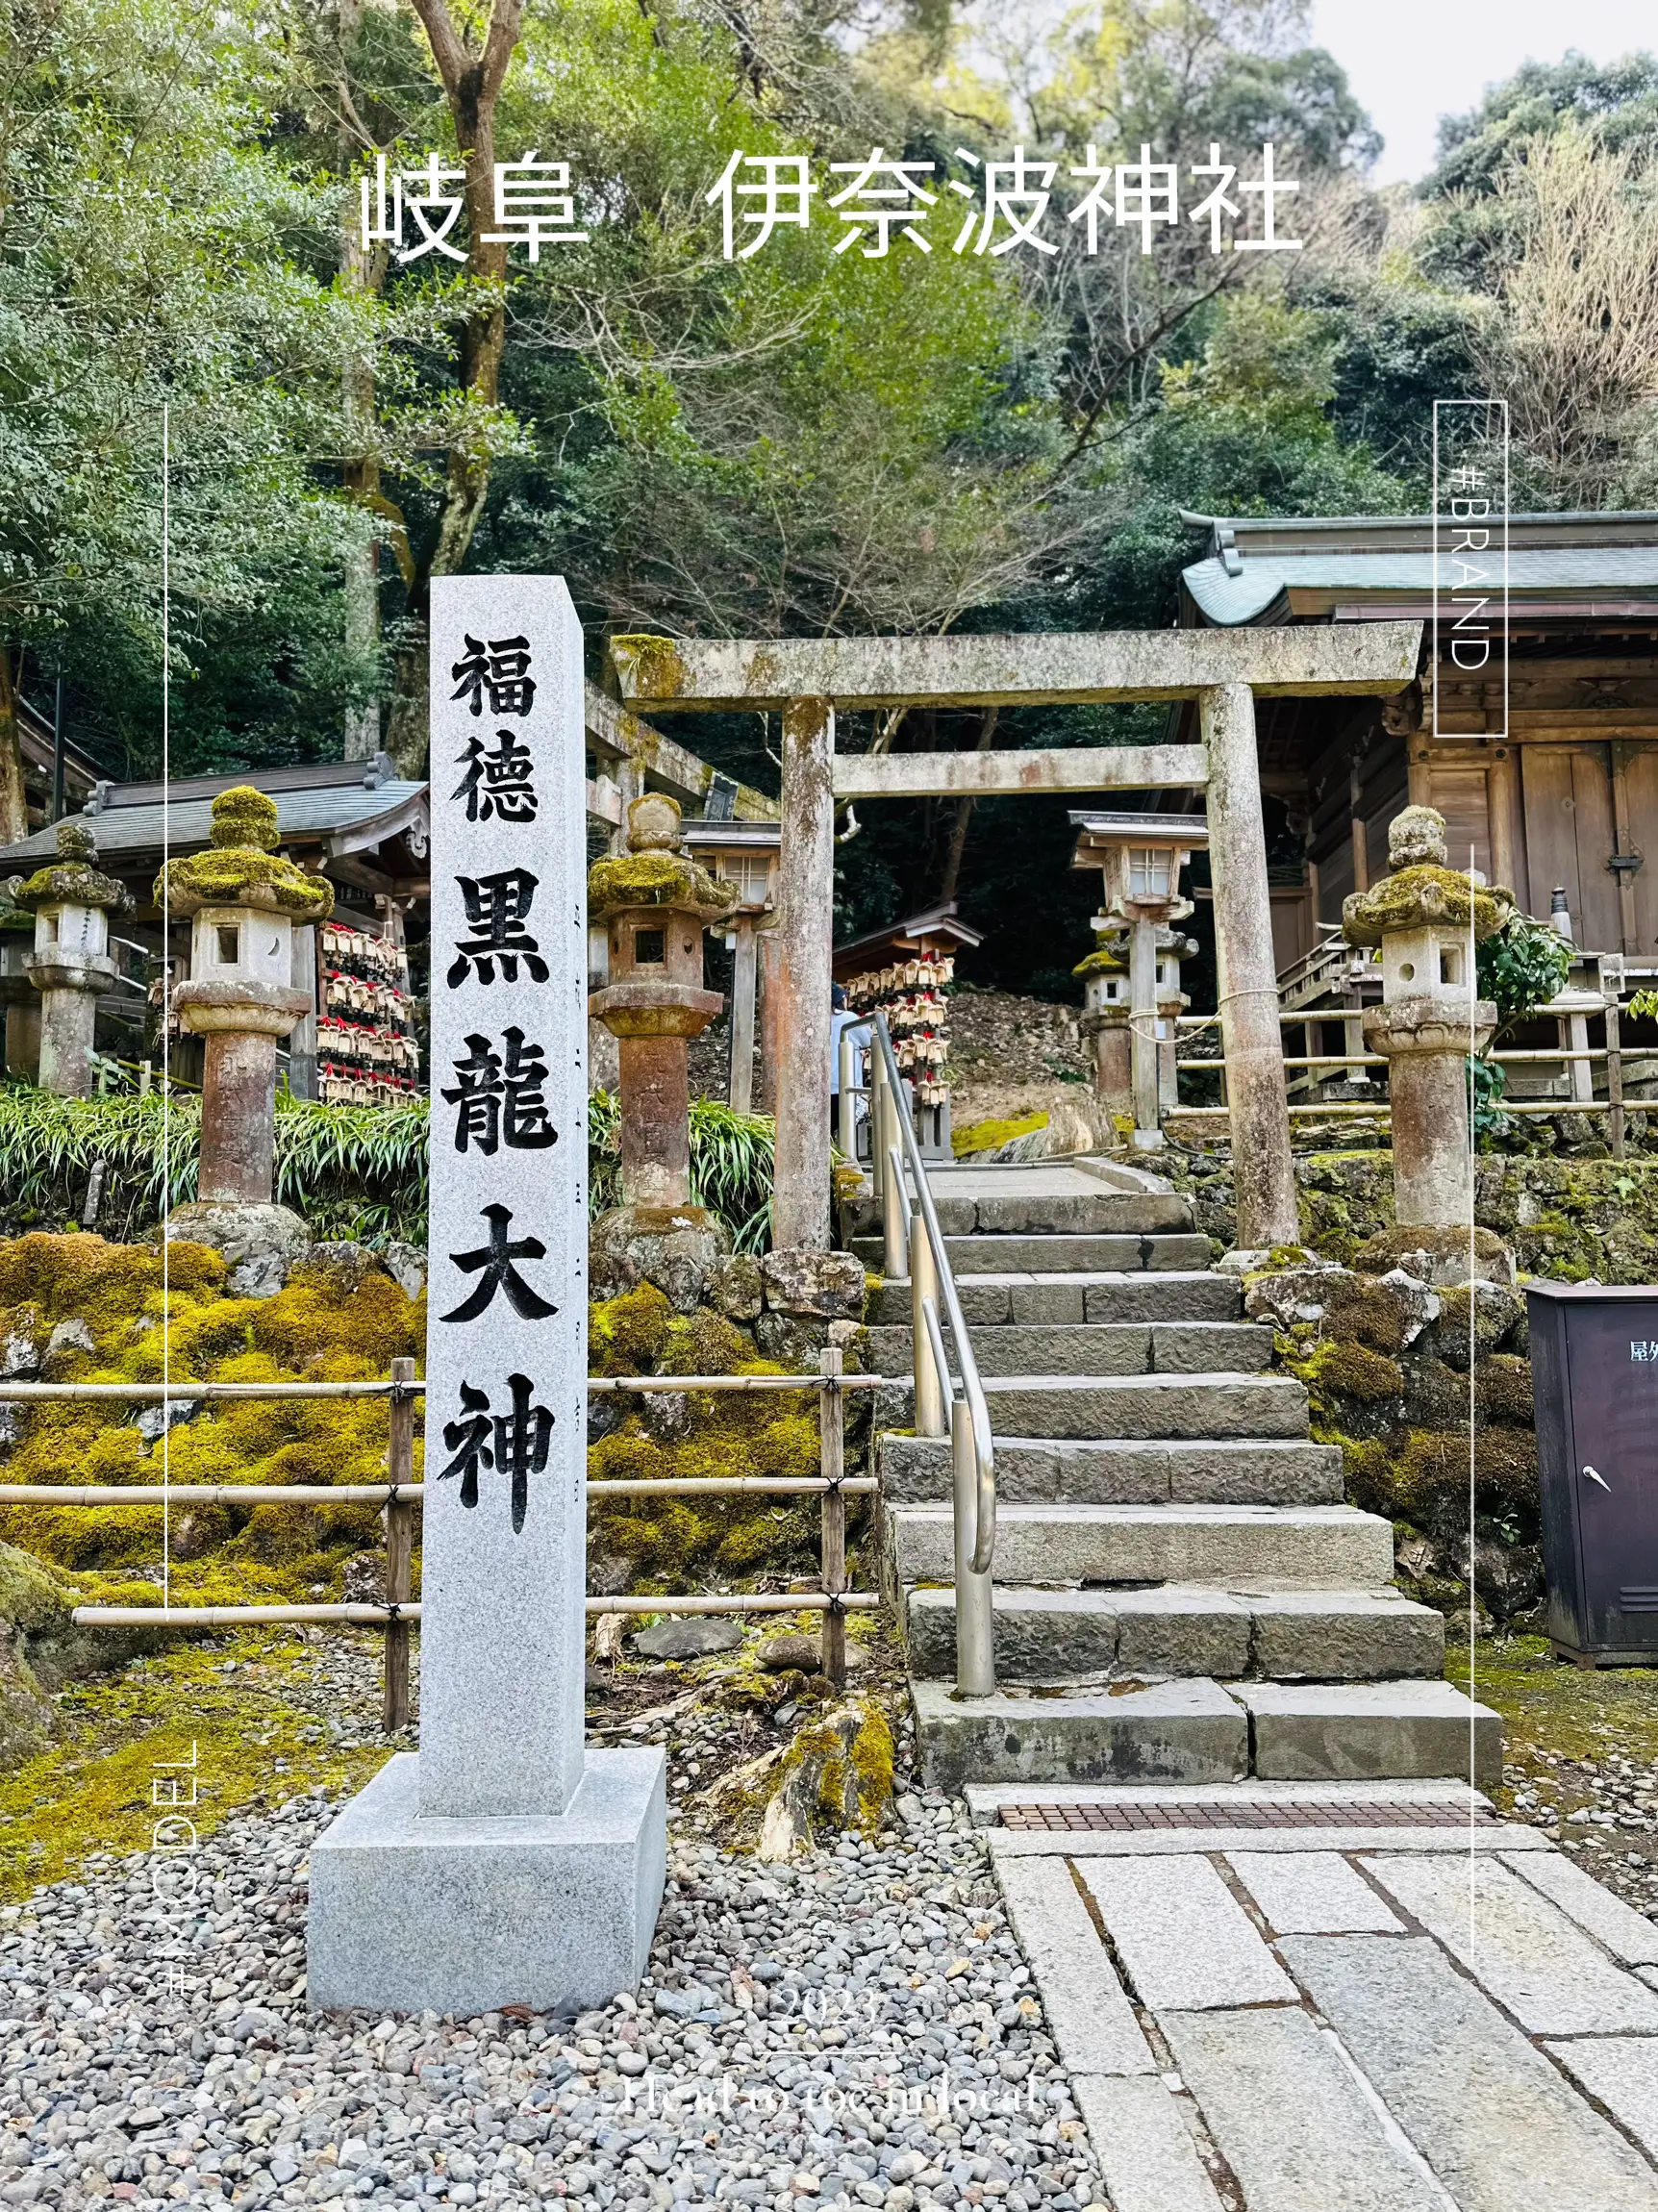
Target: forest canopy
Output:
[(805, 437)]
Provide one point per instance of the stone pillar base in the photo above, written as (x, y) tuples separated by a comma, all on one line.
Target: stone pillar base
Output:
[(464, 1915)]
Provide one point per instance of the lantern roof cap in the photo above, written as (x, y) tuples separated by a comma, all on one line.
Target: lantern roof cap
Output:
[(74, 878), (241, 865)]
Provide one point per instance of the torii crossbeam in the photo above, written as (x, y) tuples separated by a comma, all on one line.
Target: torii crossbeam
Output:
[(1222, 669)]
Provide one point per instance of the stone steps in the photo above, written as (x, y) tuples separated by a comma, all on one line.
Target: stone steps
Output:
[(1198, 1730), (1175, 1629), (1207, 1470), (1146, 1406), (1028, 1299), (1094, 1349), (1180, 1595), (1067, 1253), (1013, 1212), (1308, 1547)]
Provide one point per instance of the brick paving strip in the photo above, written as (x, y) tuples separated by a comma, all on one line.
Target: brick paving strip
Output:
[(1348, 2014), (1359, 1812)]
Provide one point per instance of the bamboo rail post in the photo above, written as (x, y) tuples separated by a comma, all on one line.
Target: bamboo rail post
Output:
[(1615, 1079), (832, 1462), (399, 1547)]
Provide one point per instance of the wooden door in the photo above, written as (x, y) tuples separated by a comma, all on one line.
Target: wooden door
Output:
[(1641, 797), (1568, 791), (1460, 795)]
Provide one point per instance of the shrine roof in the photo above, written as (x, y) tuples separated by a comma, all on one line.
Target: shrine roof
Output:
[(339, 806), (1277, 568)]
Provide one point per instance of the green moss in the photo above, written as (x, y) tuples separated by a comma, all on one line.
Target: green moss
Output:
[(241, 865), (654, 663), (1552, 1711), (1352, 1371), (656, 879), (326, 1330), (986, 1136), (90, 1791), (702, 1343), (857, 1781), (1101, 962), (626, 1334), (1417, 896)]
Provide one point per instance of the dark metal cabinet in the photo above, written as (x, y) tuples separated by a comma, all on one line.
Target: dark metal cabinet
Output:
[(1595, 1376)]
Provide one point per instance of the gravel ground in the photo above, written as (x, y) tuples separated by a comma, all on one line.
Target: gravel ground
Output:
[(1603, 1811), (856, 2027), (801, 2036)]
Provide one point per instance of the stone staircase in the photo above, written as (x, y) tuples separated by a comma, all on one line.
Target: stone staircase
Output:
[(1181, 1595)]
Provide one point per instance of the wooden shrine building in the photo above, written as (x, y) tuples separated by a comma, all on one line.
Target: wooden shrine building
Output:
[(1554, 786)]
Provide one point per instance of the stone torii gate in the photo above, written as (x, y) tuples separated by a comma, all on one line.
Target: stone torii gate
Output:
[(1222, 670)]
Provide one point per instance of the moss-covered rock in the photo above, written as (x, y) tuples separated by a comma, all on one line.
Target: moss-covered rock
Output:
[(33, 1611), (656, 879), (836, 1776), (331, 1327)]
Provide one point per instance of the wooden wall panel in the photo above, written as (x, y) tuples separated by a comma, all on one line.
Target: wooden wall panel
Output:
[(1335, 880), (1550, 840)]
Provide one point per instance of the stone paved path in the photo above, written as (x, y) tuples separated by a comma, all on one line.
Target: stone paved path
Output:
[(1351, 1997)]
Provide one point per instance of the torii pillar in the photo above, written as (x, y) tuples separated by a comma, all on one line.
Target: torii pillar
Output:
[(1247, 973)]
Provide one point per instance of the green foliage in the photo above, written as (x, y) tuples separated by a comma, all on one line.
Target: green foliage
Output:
[(357, 1173), (1521, 967), (353, 1171), (1488, 1087), (157, 252), (732, 1165), (1617, 101)]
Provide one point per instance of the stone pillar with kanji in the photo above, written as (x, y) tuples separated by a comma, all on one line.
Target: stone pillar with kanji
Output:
[(504, 1865), (1426, 917), (244, 901), (71, 900)]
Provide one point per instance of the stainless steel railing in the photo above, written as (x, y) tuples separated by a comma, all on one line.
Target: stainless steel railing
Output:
[(914, 1245)]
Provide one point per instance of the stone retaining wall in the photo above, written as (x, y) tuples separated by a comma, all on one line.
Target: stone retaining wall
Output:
[(1569, 1217)]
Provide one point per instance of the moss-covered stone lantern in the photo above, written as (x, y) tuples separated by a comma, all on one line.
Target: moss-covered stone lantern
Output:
[(655, 902), (71, 900), (17, 993), (1428, 1021), (245, 902), (1105, 1020)]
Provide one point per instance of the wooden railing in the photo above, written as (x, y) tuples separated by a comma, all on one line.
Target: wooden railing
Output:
[(399, 1494)]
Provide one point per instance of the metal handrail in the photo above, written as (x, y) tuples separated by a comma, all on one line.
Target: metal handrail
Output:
[(973, 1448)]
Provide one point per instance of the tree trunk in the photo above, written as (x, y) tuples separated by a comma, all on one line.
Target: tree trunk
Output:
[(952, 875), (362, 269), (14, 802), (472, 86)]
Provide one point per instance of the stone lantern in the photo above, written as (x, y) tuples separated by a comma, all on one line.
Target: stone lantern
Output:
[(1173, 946), (749, 856), (1141, 856), (17, 995), (1105, 1019), (245, 902), (655, 903), (1427, 1022), (71, 902)]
